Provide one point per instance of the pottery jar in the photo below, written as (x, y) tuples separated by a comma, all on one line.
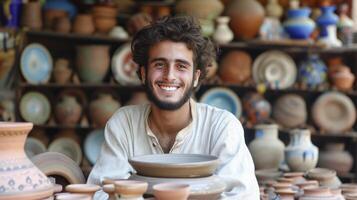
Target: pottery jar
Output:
[(235, 67), (104, 24), (273, 9), (172, 191), (266, 149), (345, 26), (83, 24), (19, 177), (327, 25), (31, 15), (92, 62), (241, 12), (298, 24), (256, 108), (68, 111), (312, 72), (301, 155), (130, 189), (343, 79), (101, 109), (51, 14), (61, 72), (62, 25), (336, 158), (222, 34)]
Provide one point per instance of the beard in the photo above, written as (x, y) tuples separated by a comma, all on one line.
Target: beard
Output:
[(164, 105)]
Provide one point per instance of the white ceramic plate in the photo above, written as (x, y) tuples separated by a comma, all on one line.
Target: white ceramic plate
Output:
[(93, 144), (35, 108), (68, 147)]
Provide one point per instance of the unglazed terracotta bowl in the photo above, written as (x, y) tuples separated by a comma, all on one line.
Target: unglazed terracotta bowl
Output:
[(175, 165), (130, 188), (172, 191), (87, 189)]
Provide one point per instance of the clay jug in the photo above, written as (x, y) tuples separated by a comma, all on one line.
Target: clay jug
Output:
[(92, 62), (101, 109), (62, 73), (68, 111), (222, 33), (266, 149), (301, 155), (19, 177), (243, 11), (335, 157)]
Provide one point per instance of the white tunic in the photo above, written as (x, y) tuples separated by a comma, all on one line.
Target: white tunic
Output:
[(212, 131)]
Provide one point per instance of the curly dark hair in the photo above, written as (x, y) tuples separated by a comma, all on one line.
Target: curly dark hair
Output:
[(184, 29)]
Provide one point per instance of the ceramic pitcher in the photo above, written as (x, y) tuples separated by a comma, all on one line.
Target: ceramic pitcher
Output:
[(301, 155)]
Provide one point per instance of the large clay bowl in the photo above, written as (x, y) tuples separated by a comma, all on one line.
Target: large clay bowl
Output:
[(175, 165)]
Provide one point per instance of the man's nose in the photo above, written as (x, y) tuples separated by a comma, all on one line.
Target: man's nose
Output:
[(169, 73)]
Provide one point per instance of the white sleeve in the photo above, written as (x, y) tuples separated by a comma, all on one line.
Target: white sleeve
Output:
[(237, 167)]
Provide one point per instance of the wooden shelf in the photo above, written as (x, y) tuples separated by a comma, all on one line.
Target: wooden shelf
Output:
[(45, 126), (82, 86)]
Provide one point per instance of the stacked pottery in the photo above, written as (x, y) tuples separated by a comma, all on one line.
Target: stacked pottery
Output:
[(68, 111), (320, 193), (312, 72), (336, 158), (301, 155), (92, 62), (104, 17), (19, 177), (222, 34), (256, 108), (327, 22), (266, 149), (130, 190), (101, 109), (84, 189), (207, 12), (325, 177), (290, 111), (235, 67), (243, 11), (298, 24)]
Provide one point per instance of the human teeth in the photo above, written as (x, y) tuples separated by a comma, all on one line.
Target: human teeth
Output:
[(168, 88)]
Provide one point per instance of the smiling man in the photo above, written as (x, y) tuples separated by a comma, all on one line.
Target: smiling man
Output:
[(173, 58)]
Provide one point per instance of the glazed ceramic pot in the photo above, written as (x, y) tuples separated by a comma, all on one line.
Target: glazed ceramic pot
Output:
[(68, 111), (223, 33), (235, 67), (290, 111), (61, 72), (101, 109), (92, 62), (266, 149), (345, 26), (173, 191), (130, 189), (343, 78), (243, 11), (298, 24), (301, 155), (209, 10), (256, 108), (15, 12), (64, 5), (19, 177), (312, 72), (83, 24), (335, 157), (327, 23)]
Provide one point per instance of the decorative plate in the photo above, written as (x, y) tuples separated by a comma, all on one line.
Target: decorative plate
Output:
[(35, 108), (53, 163), (223, 98), (276, 69), (36, 64), (93, 144), (123, 67), (334, 112), (34, 146), (68, 147), (175, 165)]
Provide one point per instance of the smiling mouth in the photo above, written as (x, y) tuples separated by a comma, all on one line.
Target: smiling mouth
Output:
[(168, 87)]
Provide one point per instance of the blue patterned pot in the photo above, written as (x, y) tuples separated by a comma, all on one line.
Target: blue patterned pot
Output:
[(312, 72), (65, 5), (299, 25), (327, 18)]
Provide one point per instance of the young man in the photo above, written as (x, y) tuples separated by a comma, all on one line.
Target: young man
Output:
[(173, 57)]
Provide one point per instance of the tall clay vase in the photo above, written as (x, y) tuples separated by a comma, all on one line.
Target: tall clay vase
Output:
[(68, 111), (92, 62), (101, 109), (301, 155), (19, 177), (335, 157), (266, 149), (246, 18)]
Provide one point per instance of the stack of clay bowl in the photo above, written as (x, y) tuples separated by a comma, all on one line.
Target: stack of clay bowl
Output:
[(104, 17), (78, 192), (188, 170), (349, 191)]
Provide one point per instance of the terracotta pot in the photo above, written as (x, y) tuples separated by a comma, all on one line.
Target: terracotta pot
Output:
[(286, 194), (68, 111), (243, 11), (343, 80), (51, 14), (104, 24), (31, 15), (266, 149), (336, 158), (62, 73), (85, 189), (83, 24), (92, 62), (236, 67), (301, 155), (62, 25), (101, 109), (326, 177), (104, 11), (173, 191), (19, 177), (69, 196), (130, 189), (290, 110)]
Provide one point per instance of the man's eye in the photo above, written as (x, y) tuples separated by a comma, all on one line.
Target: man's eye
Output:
[(181, 67), (159, 64)]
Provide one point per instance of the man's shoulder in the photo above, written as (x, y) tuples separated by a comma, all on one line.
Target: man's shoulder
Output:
[(206, 110)]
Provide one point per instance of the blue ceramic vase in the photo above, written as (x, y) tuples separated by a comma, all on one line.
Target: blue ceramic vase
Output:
[(312, 72), (298, 24), (10, 13), (327, 18), (65, 5)]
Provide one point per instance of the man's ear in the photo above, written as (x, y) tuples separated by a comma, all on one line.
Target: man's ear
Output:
[(197, 77), (143, 75)]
